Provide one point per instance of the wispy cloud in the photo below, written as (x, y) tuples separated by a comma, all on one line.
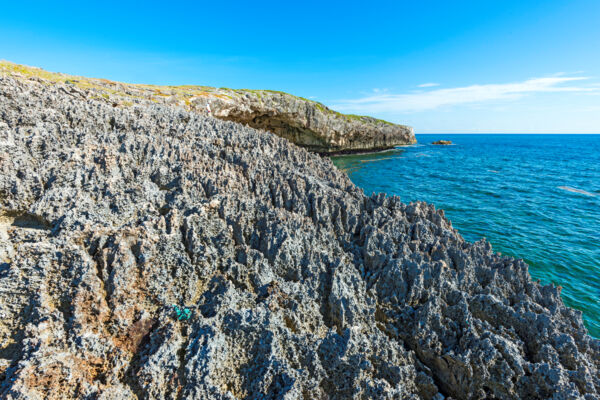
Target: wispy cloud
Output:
[(428, 84), (474, 94)]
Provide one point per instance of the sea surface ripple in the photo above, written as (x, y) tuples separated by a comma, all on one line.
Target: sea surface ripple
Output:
[(535, 197)]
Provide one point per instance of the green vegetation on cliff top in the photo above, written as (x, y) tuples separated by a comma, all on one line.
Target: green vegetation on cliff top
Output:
[(182, 92)]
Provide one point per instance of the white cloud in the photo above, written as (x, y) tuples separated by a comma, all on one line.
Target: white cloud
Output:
[(474, 94), (428, 84)]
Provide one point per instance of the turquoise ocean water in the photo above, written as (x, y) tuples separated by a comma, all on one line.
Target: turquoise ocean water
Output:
[(535, 197)]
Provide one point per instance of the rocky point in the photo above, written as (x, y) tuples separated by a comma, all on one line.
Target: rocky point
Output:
[(304, 122)]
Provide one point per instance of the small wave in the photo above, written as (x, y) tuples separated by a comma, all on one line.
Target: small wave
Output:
[(574, 190), (422, 155), (494, 171), (379, 159)]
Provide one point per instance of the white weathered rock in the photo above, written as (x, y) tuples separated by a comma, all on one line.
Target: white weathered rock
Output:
[(306, 123)]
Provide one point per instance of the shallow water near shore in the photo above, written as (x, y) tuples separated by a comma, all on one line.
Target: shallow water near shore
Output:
[(535, 197)]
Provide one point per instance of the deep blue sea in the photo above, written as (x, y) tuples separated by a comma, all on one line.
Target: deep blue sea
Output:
[(535, 197)]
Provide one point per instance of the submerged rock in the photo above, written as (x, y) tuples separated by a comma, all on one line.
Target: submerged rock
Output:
[(115, 221), (442, 142)]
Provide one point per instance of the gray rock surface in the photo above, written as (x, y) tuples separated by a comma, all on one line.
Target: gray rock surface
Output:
[(299, 285), (304, 122)]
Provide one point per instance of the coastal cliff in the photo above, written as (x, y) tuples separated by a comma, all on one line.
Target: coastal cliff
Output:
[(304, 122), (308, 124), (150, 252)]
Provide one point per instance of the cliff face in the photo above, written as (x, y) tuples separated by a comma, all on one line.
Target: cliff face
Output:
[(308, 124), (148, 252), (304, 122)]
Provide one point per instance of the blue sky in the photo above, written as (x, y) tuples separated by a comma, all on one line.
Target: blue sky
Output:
[(440, 66)]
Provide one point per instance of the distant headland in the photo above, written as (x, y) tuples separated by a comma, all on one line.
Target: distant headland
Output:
[(305, 122)]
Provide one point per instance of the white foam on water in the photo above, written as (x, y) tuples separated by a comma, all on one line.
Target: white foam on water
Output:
[(574, 190)]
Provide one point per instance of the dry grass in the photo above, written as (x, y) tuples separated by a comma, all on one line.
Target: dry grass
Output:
[(157, 94)]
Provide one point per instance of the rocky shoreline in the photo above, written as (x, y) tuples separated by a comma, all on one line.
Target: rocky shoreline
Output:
[(151, 252), (304, 122), (309, 124)]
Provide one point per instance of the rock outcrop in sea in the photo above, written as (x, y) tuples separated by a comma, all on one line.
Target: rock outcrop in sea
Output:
[(149, 252), (304, 122)]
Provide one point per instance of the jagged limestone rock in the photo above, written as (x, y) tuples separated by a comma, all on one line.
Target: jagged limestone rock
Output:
[(299, 285), (305, 122)]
